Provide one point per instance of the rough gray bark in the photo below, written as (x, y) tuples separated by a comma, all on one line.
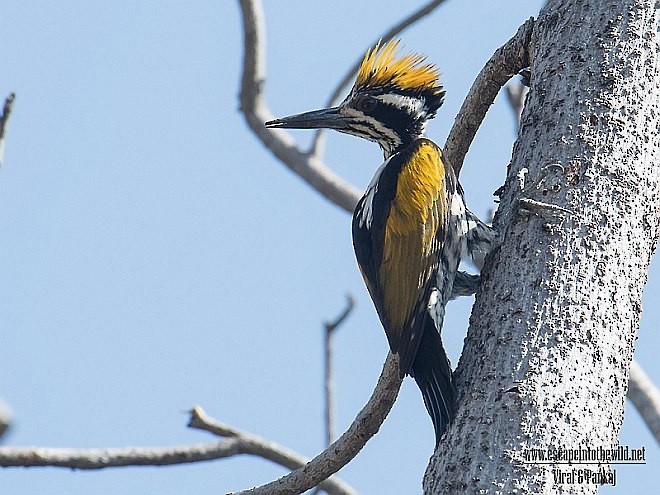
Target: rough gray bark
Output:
[(553, 329)]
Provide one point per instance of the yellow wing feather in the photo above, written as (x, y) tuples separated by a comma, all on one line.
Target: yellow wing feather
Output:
[(382, 66), (410, 251)]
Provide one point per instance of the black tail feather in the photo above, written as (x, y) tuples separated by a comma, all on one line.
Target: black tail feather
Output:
[(432, 372)]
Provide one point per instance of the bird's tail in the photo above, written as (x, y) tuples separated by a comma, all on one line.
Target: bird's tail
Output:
[(432, 372)]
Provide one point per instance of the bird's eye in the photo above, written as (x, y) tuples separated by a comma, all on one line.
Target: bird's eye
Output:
[(367, 103)]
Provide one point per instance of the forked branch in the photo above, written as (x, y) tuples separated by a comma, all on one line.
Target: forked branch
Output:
[(328, 386), (266, 449), (234, 442), (342, 451), (255, 109)]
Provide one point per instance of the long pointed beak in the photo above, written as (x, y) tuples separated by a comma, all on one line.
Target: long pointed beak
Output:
[(328, 118)]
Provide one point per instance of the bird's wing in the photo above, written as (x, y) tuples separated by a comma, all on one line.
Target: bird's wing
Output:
[(398, 254)]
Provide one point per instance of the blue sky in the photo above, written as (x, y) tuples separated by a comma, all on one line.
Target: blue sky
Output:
[(155, 256)]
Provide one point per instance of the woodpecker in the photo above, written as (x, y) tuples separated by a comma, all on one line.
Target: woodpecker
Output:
[(411, 227)]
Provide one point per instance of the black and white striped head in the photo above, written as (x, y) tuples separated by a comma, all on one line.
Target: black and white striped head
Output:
[(391, 101)]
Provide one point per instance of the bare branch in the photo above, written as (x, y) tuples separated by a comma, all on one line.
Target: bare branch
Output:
[(342, 86), (4, 119), (257, 446), (307, 474), (253, 105), (646, 398), (506, 62), (330, 328), (342, 451), (235, 442), (115, 457), (199, 420)]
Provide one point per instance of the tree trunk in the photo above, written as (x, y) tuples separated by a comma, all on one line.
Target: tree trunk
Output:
[(553, 329)]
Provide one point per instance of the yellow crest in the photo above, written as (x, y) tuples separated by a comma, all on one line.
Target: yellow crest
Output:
[(382, 66)]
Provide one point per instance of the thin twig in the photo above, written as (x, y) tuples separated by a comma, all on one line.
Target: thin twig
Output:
[(4, 119), (343, 450), (646, 398), (255, 109), (328, 382), (199, 420), (319, 137), (506, 62), (330, 328)]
